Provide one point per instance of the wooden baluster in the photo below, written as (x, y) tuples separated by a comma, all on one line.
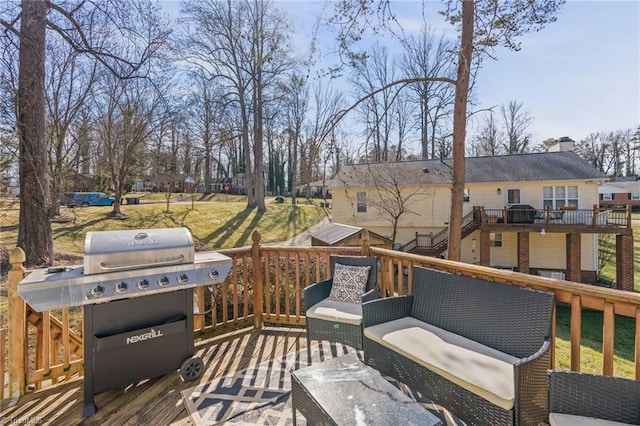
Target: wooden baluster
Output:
[(298, 287), (576, 331), (257, 279), (608, 332), (637, 343)]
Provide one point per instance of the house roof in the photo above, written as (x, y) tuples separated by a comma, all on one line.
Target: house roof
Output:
[(620, 187), (546, 166), (564, 165)]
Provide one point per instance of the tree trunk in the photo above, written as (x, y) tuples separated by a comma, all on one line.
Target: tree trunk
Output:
[(34, 231), (459, 131)]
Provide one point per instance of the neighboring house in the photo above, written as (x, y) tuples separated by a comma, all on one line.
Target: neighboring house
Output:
[(220, 185), (239, 184), (562, 239), (146, 185), (317, 189), (620, 192), (176, 183)]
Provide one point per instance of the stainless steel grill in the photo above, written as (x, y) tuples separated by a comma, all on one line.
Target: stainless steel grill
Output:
[(137, 291), (125, 264)]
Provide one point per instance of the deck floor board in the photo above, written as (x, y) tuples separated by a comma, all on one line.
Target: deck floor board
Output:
[(155, 401)]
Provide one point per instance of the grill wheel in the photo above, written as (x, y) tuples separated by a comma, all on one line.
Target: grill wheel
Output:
[(192, 368)]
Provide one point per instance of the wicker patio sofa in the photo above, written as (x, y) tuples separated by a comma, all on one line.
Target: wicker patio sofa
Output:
[(589, 400), (338, 321), (480, 349)]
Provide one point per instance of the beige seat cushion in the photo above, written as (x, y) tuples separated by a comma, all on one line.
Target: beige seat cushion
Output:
[(480, 369), (333, 310), (556, 419)]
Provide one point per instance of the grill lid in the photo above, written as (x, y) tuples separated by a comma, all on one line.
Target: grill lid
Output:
[(112, 251)]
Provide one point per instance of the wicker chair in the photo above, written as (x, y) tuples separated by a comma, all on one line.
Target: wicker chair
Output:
[(514, 321), (346, 326), (578, 398)]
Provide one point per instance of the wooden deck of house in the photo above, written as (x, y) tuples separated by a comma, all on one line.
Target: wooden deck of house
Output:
[(156, 401), (257, 314)]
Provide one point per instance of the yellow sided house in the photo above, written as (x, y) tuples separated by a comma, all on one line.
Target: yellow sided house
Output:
[(535, 213)]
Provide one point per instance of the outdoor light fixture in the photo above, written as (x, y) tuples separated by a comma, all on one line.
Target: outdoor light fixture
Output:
[(543, 232), (499, 191)]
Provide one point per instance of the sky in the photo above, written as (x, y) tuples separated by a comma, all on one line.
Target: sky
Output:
[(579, 75)]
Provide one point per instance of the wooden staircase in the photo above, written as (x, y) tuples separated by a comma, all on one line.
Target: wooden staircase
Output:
[(56, 333), (436, 244)]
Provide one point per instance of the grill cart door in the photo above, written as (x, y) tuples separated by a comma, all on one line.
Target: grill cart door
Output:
[(134, 339)]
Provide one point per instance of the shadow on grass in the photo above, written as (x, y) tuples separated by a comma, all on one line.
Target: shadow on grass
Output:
[(222, 235), (591, 332), (78, 230)]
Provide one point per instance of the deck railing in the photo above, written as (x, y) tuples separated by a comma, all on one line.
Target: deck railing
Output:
[(265, 286), (596, 217)]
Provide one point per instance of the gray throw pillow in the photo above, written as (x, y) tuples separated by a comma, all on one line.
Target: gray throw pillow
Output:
[(349, 283)]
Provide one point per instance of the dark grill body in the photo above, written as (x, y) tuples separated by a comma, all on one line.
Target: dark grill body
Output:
[(137, 291)]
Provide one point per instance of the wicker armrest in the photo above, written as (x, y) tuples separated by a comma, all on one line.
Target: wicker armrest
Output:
[(317, 292), (546, 347), (532, 395), (608, 398), (370, 295), (384, 310)]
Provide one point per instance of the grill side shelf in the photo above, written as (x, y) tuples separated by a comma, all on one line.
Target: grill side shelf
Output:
[(139, 336)]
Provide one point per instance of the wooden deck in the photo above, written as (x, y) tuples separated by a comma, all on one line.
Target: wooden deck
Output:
[(156, 401)]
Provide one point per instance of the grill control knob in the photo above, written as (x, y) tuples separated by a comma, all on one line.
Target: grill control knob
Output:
[(97, 291), (122, 287), (183, 278), (213, 274), (143, 284), (163, 282)]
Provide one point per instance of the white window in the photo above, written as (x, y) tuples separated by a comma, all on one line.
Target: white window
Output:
[(513, 196), (495, 240), (635, 196), (177, 184), (607, 196), (361, 200), (555, 197)]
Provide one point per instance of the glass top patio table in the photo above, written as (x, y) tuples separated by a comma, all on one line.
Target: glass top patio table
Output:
[(344, 391)]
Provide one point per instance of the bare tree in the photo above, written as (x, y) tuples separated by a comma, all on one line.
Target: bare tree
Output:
[(516, 127), (428, 55), (326, 102), (244, 44), (296, 106), (376, 113), (70, 78), (79, 24), (126, 112), (488, 141)]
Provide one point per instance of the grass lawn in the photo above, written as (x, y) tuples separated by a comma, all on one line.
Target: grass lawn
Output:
[(214, 225), (607, 254)]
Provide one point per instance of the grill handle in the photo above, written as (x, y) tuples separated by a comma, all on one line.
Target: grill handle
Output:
[(104, 267)]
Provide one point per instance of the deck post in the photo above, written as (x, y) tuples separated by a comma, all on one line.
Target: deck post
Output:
[(257, 280), (365, 249), (17, 327)]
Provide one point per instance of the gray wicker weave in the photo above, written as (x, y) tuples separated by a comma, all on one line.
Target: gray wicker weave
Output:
[(608, 398), (513, 320), (348, 334)]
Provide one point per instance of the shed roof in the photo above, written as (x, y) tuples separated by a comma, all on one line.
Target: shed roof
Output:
[(335, 232)]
